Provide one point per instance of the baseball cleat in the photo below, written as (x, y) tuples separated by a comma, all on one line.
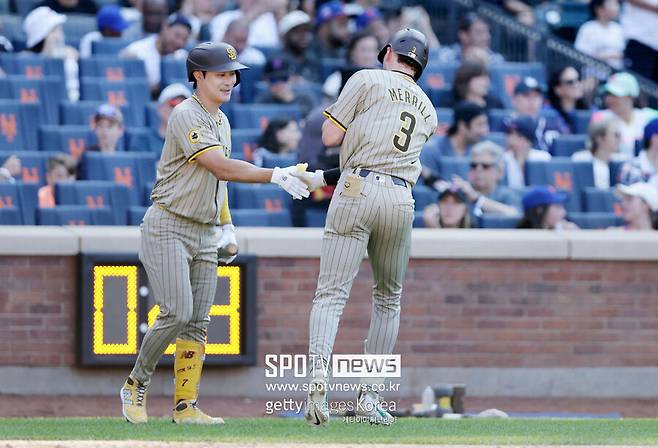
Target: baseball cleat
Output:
[(187, 412), (133, 401), (368, 406), (317, 405)]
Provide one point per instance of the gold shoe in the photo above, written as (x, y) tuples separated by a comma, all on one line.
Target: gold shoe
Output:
[(187, 412), (133, 401)]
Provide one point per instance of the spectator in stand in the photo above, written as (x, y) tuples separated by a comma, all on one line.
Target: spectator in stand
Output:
[(371, 21), (236, 35), (60, 168), (521, 137), (620, 92), (169, 42), (565, 97), (10, 171), (449, 212), (296, 31), (281, 136), (361, 53), (472, 83), (170, 97), (469, 126), (154, 12), (644, 167), (279, 87), (108, 127), (45, 36), (603, 145), (332, 30), (71, 6), (200, 13), (262, 19), (603, 38), (639, 205), (110, 23), (416, 17), (639, 20), (543, 208), (473, 32)]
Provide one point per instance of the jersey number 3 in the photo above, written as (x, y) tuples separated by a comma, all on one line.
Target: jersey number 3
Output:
[(402, 138)]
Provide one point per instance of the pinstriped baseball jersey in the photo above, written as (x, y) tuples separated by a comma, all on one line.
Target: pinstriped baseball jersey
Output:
[(387, 119), (183, 186)]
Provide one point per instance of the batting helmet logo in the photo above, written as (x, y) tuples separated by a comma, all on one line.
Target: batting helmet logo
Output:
[(231, 54)]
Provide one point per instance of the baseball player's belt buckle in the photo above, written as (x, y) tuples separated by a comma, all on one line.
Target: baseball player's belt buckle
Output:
[(352, 186)]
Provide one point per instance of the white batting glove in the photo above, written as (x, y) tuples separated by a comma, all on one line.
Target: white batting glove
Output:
[(293, 186), (227, 247), (312, 180)]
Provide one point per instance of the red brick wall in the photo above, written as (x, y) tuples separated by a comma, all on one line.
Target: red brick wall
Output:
[(485, 313)]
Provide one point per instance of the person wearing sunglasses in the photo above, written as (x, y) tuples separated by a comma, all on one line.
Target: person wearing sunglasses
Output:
[(565, 97), (602, 146), (170, 97), (482, 189)]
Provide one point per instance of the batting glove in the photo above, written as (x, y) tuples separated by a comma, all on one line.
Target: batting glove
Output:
[(227, 247), (293, 186), (312, 180)]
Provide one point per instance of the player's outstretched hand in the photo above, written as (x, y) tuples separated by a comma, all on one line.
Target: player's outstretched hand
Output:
[(227, 247), (293, 186), (312, 180)]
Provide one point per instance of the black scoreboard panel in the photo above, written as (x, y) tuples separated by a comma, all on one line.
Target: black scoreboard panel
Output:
[(117, 307)]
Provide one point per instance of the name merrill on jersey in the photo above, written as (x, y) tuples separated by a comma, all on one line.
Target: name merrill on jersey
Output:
[(403, 95)]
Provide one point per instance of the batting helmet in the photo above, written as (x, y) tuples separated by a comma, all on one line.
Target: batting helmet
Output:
[(410, 43), (214, 57)]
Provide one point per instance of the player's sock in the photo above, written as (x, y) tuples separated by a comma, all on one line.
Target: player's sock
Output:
[(187, 369)]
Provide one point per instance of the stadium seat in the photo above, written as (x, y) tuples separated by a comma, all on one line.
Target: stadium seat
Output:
[(109, 45), (9, 196), (76, 26), (245, 141), (29, 196), (74, 215), (172, 70), (437, 76), (419, 222), (497, 118), (330, 65), (33, 165), (566, 145), (489, 221), (444, 115), (248, 80), (261, 218), (601, 201), (95, 194), (137, 140), (261, 196), (112, 68), (257, 115), (499, 138), (82, 113), (31, 66), (72, 140), (280, 160), (424, 196), (596, 220), (46, 92), (134, 93), (563, 174), (19, 125), (505, 77), (453, 165), (441, 97), (10, 217), (582, 119), (136, 215), (152, 117), (315, 217), (12, 24)]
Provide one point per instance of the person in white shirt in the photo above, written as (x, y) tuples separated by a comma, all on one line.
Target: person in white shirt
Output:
[(110, 23), (237, 34), (639, 20), (603, 37), (260, 15), (520, 141), (170, 41), (620, 92), (644, 168), (603, 145)]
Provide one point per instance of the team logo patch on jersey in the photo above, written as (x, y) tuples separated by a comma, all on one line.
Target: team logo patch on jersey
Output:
[(193, 136), (231, 54)]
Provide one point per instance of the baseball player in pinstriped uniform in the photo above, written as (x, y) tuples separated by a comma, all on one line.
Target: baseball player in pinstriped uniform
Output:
[(178, 246), (381, 119)]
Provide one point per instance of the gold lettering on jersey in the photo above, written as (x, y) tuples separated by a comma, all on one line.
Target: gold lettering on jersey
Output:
[(193, 136), (405, 96)]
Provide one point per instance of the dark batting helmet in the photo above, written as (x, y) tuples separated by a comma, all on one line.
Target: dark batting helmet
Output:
[(214, 57), (410, 43)]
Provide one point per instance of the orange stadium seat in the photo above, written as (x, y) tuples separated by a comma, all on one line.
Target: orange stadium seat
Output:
[(95, 194)]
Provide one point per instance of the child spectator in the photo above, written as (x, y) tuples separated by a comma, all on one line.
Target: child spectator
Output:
[(108, 127), (450, 212), (281, 136), (603, 144), (61, 168), (472, 83)]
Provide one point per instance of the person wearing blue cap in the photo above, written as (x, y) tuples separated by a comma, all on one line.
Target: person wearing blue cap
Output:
[(332, 30), (543, 208), (110, 23), (644, 167)]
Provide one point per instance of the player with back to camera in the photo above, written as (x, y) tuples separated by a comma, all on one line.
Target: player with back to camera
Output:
[(178, 248), (381, 120)]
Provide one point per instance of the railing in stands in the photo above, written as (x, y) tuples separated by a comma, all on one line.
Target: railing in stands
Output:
[(518, 42)]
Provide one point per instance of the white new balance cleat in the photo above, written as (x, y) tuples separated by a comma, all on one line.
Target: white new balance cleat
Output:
[(317, 404), (368, 407)]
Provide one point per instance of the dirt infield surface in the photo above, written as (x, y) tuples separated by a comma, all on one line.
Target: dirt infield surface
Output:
[(142, 444)]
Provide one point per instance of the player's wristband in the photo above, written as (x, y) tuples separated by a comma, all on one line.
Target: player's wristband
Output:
[(331, 176)]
